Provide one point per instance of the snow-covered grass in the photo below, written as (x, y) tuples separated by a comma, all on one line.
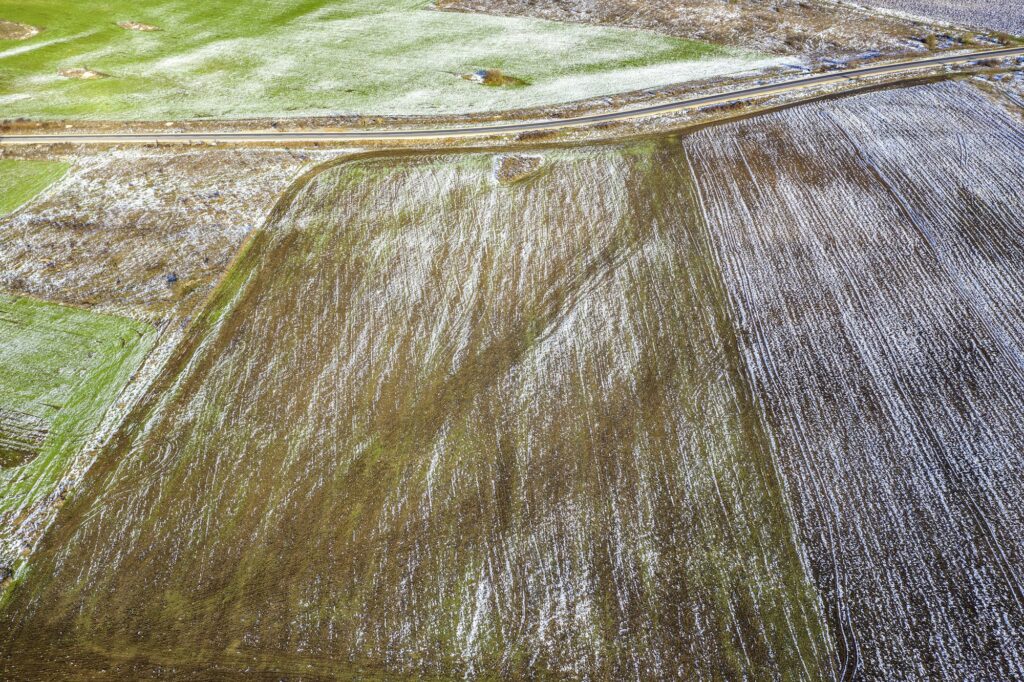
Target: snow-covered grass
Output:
[(273, 58)]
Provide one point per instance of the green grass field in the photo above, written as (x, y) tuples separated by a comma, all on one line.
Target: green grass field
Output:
[(64, 367), (20, 181), (267, 58)]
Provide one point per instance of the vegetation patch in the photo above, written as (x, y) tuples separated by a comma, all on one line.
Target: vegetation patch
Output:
[(21, 181), (60, 370), (21, 437), (13, 30)]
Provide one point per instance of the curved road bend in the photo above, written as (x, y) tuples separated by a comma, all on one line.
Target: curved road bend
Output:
[(483, 130)]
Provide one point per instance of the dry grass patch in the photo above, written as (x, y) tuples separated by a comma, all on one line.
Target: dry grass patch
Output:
[(14, 30), (109, 236), (511, 168), (138, 26), (83, 74), (787, 27)]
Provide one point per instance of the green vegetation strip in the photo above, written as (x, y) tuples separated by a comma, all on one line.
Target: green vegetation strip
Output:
[(224, 59), (63, 367), (21, 181)]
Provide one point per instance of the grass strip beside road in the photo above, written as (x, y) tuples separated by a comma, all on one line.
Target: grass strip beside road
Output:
[(22, 181)]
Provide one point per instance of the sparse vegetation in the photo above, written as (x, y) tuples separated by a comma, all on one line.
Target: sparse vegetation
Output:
[(511, 168)]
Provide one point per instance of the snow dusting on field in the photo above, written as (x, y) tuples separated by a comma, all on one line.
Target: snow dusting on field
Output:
[(1000, 15), (447, 427), (142, 232), (224, 59), (874, 249), (744, 405)]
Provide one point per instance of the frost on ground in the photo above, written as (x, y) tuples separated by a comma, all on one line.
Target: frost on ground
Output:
[(222, 58), (1000, 15), (790, 27), (141, 232), (741, 407), (439, 426), (874, 249), (1010, 89)]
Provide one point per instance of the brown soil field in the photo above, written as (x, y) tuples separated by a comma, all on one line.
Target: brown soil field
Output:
[(875, 253), (999, 15)]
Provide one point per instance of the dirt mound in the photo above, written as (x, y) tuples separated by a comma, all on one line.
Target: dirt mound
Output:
[(13, 30), (83, 74), (510, 168), (493, 78), (138, 26)]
